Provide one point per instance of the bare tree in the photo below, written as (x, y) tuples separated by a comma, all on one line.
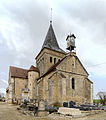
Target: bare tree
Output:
[(102, 97)]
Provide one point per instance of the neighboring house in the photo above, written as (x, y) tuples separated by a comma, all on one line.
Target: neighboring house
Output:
[(58, 77)]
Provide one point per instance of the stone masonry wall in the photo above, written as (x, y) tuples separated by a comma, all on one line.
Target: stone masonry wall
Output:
[(32, 84), (43, 59), (19, 85), (57, 86)]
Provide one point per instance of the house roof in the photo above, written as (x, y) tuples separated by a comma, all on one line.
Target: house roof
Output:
[(33, 68), (62, 75), (18, 72), (89, 80), (51, 41), (52, 68)]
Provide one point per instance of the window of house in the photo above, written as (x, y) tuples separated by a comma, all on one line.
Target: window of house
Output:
[(58, 59), (54, 60), (73, 83), (50, 59)]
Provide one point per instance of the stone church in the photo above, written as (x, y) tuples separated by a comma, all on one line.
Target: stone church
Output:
[(58, 77)]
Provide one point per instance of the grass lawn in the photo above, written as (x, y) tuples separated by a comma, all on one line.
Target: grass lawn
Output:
[(96, 101)]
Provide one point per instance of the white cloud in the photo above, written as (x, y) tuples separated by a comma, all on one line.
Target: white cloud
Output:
[(3, 85)]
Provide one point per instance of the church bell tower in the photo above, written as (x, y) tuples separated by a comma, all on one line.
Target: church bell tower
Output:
[(50, 53), (71, 42)]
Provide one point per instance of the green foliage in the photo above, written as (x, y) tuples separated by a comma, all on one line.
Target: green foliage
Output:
[(102, 97), (96, 101), (57, 104)]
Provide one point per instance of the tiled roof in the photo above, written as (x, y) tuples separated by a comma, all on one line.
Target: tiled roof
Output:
[(33, 68), (18, 72), (55, 65), (89, 80), (52, 68), (51, 41), (62, 75)]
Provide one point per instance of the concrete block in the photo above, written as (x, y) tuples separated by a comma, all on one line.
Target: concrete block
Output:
[(69, 111)]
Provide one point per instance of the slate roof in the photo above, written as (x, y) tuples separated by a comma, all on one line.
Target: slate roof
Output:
[(18, 72), (51, 41)]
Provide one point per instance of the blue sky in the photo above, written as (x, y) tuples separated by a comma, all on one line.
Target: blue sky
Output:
[(24, 24)]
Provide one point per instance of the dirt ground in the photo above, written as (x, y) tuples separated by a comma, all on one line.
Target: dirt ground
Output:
[(10, 112)]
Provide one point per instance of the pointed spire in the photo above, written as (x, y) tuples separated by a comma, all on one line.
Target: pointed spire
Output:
[(51, 41)]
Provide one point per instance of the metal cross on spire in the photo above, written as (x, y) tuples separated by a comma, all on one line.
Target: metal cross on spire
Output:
[(51, 17)]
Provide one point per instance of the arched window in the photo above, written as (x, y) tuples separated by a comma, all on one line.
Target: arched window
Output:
[(73, 83), (58, 60), (54, 60), (50, 59)]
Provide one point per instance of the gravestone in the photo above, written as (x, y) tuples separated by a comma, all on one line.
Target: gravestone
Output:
[(41, 108), (65, 104), (71, 104)]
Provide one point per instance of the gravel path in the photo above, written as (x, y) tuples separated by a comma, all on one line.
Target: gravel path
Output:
[(10, 112)]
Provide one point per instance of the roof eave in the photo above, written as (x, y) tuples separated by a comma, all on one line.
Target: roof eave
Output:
[(50, 49)]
